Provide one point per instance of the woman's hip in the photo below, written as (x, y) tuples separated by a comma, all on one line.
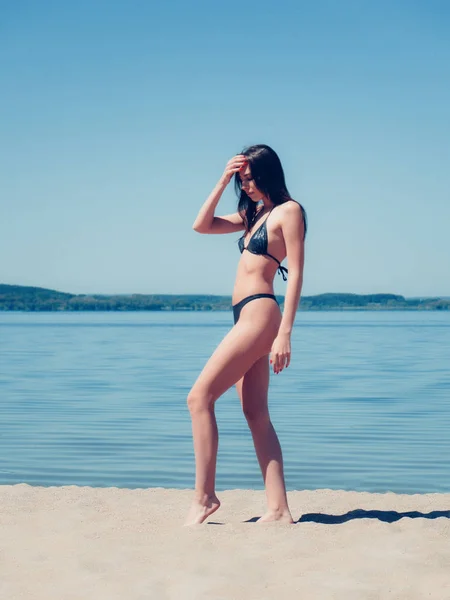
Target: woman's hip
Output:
[(259, 310)]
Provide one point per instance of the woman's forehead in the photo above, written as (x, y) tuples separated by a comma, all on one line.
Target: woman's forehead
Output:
[(246, 172)]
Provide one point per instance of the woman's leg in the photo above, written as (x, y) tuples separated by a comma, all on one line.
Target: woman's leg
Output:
[(247, 341), (253, 392)]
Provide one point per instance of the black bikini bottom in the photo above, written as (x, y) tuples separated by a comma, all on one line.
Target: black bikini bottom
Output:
[(240, 305)]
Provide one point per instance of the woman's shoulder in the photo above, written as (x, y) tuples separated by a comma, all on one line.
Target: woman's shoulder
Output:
[(290, 208), (292, 213)]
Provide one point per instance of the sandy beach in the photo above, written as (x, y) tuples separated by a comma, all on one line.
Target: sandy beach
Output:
[(108, 543)]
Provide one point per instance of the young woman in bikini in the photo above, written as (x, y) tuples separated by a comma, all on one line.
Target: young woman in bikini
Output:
[(274, 227)]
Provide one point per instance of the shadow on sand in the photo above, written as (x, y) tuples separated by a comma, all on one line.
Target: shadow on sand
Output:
[(386, 516)]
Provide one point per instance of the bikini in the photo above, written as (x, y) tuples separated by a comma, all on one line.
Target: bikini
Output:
[(257, 245)]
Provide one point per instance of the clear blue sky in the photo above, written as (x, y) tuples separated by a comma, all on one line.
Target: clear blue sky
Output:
[(117, 119)]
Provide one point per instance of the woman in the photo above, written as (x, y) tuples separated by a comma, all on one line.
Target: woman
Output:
[(274, 227)]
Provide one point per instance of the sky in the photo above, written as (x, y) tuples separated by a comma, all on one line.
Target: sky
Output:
[(117, 119)]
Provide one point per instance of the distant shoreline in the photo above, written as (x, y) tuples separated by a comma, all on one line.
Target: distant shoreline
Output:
[(15, 298)]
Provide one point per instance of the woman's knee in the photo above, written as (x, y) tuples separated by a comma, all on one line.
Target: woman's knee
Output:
[(255, 415), (199, 400)]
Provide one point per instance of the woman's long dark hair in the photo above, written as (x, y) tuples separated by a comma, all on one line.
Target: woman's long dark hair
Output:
[(268, 174)]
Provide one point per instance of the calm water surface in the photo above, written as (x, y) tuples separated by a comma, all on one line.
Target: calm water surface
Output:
[(100, 400)]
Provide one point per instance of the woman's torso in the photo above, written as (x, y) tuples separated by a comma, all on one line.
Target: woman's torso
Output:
[(256, 272)]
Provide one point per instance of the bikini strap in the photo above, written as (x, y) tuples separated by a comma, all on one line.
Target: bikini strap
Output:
[(270, 211), (281, 270)]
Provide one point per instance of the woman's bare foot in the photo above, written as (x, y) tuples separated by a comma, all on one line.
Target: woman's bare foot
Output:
[(279, 516), (201, 509)]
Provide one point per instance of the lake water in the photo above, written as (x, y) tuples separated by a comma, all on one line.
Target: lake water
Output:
[(100, 400)]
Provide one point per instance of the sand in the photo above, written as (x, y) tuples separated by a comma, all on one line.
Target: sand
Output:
[(108, 543)]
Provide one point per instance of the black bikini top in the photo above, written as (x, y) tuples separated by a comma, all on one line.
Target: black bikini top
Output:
[(258, 245)]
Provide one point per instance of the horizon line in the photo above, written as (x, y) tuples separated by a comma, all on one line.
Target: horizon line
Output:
[(217, 295)]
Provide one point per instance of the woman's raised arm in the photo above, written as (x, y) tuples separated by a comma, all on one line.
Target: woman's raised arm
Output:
[(206, 222)]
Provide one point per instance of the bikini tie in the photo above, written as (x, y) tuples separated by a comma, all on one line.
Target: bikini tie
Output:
[(282, 271)]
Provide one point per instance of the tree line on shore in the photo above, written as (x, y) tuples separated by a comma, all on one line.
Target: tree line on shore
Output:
[(24, 298)]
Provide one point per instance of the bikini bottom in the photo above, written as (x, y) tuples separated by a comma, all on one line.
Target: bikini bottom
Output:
[(240, 305)]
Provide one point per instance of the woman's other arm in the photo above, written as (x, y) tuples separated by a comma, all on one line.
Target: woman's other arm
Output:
[(293, 228)]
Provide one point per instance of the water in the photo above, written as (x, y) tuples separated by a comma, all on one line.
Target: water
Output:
[(99, 400)]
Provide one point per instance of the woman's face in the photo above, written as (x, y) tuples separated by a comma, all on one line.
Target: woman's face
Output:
[(248, 184)]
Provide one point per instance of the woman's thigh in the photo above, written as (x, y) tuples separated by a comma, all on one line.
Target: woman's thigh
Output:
[(253, 389), (243, 345)]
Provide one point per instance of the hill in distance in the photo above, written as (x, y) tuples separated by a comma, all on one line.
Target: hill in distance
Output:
[(36, 299)]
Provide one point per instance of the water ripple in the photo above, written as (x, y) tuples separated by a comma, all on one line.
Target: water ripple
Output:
[(100, 399)]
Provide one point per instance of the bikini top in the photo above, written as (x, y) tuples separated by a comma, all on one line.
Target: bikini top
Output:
[(258, 245)]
